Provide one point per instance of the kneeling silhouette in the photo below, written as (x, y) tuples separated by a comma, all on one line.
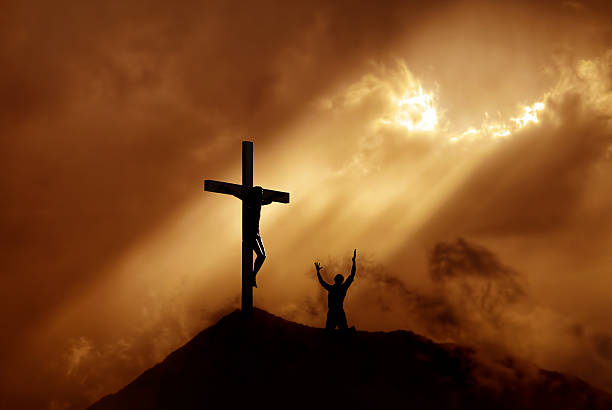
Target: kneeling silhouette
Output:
[(335, 298)]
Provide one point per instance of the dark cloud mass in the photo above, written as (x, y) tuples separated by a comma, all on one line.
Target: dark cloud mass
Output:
[(471, 291), (111, 113)]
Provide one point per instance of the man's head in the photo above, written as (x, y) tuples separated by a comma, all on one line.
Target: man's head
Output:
[(338, 279)]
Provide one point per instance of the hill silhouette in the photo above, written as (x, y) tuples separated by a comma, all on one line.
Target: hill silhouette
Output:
[(272, 363)]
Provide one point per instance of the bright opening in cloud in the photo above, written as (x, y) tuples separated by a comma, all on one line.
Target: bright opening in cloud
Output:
[(530, 115), (405, 105), (502, 129), (415, 111)]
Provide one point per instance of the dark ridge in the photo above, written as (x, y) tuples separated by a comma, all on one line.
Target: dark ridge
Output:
[(271, 363)]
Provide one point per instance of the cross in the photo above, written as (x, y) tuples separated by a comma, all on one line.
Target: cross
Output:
[(240, 191)]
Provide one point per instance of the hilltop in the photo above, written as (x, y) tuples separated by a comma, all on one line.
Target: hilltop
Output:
[(269, 362)]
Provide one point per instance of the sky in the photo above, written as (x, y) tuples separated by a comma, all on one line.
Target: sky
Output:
[(462, 147)]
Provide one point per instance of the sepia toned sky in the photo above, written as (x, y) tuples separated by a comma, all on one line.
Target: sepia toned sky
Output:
[(463, 147)]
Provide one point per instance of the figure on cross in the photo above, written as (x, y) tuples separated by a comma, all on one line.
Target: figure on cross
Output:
[(254, 200), (252, 197)]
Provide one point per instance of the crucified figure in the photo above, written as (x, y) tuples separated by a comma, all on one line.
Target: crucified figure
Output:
[(336, 295), (254, 200)]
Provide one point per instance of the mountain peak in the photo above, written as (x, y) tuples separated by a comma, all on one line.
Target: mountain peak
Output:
[(269, 362)]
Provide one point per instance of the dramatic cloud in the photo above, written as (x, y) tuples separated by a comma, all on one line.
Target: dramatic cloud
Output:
[(472, 297), (397, 128)]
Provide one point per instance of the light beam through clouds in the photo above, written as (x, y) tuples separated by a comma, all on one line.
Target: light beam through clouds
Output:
[(396, 128), (395, 175)]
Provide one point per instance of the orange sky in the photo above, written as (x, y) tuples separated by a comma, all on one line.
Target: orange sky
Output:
[(462, 147)]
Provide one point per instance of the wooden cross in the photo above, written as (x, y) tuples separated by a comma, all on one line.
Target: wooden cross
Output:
[(241, 191)]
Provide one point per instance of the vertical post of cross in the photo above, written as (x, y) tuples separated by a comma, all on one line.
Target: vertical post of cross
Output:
[(247, 251), (248, 226)]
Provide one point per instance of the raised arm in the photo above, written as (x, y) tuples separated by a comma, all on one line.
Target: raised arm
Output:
[(326, 285), (351, 277)]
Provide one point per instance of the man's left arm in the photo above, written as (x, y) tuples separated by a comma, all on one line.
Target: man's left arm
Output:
[(351, 277)]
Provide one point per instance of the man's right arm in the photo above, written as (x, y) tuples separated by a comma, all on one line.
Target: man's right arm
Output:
[(321, 281)]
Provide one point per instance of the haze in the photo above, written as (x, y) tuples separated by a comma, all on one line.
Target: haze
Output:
[(462, 147)]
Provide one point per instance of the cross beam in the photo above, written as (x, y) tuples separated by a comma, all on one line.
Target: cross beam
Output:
[(240, 192)]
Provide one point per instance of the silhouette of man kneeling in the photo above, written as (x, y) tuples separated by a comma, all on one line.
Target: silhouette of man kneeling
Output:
[(335, 297)]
